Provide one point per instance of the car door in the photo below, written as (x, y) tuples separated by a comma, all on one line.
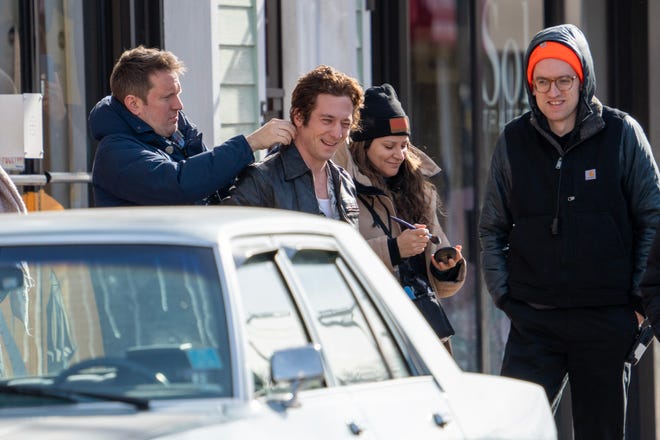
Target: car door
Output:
[(397, 398), (270, 321)]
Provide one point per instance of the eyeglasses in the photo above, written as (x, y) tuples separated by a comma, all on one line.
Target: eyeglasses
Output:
[(563, 83)]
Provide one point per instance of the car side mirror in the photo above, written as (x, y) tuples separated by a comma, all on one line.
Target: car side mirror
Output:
[(296, 366)]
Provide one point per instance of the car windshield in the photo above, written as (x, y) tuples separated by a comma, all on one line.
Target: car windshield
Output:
[(145, 321)]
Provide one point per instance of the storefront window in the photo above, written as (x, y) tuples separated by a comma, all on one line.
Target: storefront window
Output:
[(61, 81), (46, 57), (505, 29), (459, 131), (15, 142), (441, 125), (9, 73)]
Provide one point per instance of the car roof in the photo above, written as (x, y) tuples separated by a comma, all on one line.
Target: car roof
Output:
[(196, 225)]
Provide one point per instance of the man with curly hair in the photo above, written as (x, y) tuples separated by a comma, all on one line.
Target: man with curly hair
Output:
[(325, 106)]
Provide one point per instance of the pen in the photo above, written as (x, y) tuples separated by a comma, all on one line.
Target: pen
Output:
[(434, 239)]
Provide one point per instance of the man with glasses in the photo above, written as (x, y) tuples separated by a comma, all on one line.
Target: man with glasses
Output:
[(569, 214)]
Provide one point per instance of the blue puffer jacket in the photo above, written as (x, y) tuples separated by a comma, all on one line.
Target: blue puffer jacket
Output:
[(135, 166)]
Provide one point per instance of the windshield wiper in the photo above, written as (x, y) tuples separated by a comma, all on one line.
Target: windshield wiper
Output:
[(72, 395)]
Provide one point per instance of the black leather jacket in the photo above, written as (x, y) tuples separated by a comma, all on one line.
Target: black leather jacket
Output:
[(650, 286), (640, 181), (284, 181)]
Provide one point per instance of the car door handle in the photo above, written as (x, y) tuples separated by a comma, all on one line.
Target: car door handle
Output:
[(441, 420), (355, 428)]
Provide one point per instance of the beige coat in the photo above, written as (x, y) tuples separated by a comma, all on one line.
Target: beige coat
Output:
[(383, 206)]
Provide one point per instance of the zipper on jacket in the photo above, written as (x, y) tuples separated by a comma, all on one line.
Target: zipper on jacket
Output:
[(554, 227)]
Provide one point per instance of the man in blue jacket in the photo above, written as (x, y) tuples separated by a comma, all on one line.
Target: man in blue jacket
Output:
[(570, 210), (149, 153)]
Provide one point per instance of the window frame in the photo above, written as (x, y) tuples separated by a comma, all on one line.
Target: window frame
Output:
[(284, 247)]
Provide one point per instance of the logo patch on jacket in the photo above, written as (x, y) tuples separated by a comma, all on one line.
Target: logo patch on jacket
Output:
[(590, 174)]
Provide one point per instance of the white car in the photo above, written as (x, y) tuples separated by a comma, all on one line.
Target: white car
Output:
[(227, 323)]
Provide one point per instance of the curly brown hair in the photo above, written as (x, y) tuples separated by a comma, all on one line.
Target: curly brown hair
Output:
[(324, 80), (131, 74), (409, 189)]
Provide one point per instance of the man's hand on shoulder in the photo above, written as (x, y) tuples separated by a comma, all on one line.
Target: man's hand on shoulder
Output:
[(275, 131)]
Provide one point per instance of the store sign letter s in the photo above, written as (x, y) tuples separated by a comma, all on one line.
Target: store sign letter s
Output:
[(506, 68)]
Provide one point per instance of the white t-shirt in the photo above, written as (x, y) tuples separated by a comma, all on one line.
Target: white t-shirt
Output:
[(325, 207)]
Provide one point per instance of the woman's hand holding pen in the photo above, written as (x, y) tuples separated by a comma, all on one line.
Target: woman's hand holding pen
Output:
[(413, 241), (415, 238)]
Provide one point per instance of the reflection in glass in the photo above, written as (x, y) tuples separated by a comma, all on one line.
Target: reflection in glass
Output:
[(346, 340), (272, 323), (441, 111), (10, 74), (62, 83), (452, 87), (144, 321), (505, 28)]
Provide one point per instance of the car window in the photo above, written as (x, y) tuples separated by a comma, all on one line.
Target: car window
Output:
[(385, 339), (297, 289), (347, 340), (271, 319), (141, 320)]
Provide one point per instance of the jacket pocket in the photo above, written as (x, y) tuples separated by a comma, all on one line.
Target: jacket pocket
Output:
[(534, 252), (602, 260), (597, 237)]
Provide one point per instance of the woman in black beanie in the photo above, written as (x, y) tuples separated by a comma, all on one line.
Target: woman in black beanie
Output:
[(392, 180)]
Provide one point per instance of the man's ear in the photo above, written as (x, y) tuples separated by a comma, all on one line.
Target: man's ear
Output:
[(133, 104), (298, 119)]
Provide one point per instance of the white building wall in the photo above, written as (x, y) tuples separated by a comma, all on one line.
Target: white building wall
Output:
[(239, 72), (223, 47), (318, 32), (192, 34)]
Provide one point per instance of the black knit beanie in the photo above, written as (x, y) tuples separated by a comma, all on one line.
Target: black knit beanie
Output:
[(382, 115)]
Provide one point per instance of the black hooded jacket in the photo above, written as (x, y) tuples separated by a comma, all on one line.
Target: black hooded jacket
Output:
[(571, 226), (650, 286)]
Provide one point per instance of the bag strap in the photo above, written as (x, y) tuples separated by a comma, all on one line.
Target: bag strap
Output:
[(376, 218)]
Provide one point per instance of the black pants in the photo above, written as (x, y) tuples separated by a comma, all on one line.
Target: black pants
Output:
[(588, 344)]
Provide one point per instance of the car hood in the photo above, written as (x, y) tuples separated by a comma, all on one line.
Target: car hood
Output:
[(164, 421), (508, 408), (117, 421)]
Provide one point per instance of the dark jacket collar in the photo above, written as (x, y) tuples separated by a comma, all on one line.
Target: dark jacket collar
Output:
[(295, 166), (292, 162), (110, 117)]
